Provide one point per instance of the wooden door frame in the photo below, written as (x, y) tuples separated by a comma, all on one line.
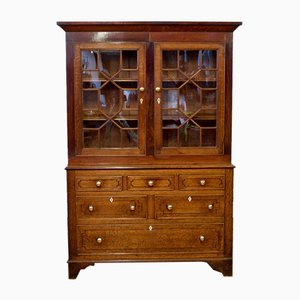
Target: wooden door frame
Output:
[(219, 149), (80, 150)]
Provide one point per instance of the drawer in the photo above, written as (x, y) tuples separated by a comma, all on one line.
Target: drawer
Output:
[(158, 183), (111, 207), (98, 183), (150, 238), (201, 182), (188, 206)]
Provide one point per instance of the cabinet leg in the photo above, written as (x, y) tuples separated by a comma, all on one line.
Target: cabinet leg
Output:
[(74, 268), (223, 266)]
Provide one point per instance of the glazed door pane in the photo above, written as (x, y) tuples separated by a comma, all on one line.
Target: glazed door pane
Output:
[(189, 108), (110, 76)]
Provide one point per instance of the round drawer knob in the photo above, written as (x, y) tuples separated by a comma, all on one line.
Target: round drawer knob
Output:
[(98, 183), (151, 183), (99, 240), (202, 182), (169, 206), (132, 207), (210, 206), (142, 89), (201, 238), (157, 89), (91, 208)]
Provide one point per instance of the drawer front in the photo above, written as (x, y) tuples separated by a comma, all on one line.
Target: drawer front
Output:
[(144, 239), (111, 207), (157, 183), (188, 206), (98, 183), (201, 182)]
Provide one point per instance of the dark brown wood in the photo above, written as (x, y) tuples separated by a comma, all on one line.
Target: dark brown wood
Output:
[(75, 267), (228, 94), (71, 213), (152, 202), (219, 148), (188, 36), (150, 96), (229, 213), (223, 266), (70, 98), (149, 26)]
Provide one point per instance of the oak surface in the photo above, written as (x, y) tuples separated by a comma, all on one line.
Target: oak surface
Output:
[(149, 203)]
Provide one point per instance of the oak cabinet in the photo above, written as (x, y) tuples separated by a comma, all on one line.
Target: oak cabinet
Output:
[(149, 142)]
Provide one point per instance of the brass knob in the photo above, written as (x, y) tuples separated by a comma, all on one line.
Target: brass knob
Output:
[(202, 182), (210, 206), (99, 240), (169, 206), (201, 238), (91, 207), (132, 207), (98, 183), (151, 183), (142, 89), (157, 89)]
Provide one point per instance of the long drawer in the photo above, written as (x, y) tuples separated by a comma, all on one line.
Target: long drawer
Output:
[(117, 207), (137, 238), (173, 206)]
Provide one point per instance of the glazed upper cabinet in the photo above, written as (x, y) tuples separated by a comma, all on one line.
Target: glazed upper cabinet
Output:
[(113, 98)]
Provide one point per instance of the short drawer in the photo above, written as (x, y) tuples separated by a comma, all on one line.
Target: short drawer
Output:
[(158, 183), (111, 207), (171, 206), (98, 183), (150, 238), (199, 182)]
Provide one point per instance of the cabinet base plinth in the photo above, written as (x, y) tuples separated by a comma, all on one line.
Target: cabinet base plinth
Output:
[(222, 266), (75, 267)]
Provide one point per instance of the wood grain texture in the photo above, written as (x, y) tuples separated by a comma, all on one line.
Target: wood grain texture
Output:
[(149, 238), (111, 207), (197, 207), (187, 213)]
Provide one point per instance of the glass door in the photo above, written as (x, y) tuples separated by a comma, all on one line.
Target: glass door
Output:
[(189, 98), (109, 91)]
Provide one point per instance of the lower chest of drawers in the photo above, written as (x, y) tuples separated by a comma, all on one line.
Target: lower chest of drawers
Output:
[(166, 211)]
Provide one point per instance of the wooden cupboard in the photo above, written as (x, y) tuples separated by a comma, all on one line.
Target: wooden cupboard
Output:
[(149, 142)]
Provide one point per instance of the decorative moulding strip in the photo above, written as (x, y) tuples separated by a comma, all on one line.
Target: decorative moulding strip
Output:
[(149, 26)]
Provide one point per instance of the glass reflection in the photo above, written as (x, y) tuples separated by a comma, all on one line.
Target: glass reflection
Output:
[(109, 62), (89, 59)]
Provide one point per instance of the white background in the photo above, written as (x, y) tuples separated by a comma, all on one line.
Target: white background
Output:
[(33, 240)]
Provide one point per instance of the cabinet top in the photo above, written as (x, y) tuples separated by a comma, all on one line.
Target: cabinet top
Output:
[(149, 26)]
